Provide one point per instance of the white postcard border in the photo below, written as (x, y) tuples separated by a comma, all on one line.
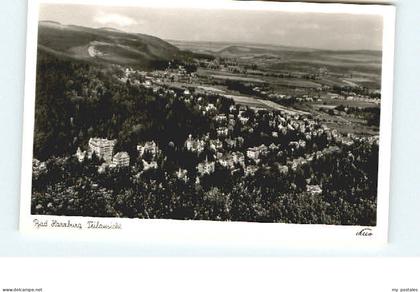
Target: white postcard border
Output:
[(208, 232)]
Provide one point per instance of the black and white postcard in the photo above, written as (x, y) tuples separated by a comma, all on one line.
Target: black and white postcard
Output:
[(224, 121)]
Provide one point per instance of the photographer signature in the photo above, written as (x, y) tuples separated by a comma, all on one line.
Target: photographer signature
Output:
[(365, 232)]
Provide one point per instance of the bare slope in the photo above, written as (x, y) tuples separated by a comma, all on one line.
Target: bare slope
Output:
[(105, 45)]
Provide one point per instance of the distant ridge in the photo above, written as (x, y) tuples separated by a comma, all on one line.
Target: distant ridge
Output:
[(217, 46), (50, 21), (105, 45), (110, 29)]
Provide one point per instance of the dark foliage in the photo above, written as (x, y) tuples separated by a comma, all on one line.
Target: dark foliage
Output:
[(76, 101)]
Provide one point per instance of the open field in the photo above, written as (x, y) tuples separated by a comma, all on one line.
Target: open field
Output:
[(263, 104), (282, 108), (348, 64), (293, 72), (237, 77)]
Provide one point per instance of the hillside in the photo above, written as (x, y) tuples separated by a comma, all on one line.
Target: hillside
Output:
[(105, 45), (307, 59), (364, 64)]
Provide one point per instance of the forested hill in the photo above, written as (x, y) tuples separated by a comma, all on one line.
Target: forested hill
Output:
[(104, 45), (76, 100)]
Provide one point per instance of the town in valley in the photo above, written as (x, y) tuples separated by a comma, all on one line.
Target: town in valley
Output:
[(130, 125)]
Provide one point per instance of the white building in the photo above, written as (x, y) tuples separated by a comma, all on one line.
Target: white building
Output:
[(243, 120), (102, 168), (255, 152), (215, 144), (250, 170), (227, 161), (314, 189), (182, 174), (80, 154), (239, 157), (210, 107), (222, 131), (194, 145), (206, 167), (283, 169), (103, 148), (220, 118), (151, 165), (149, 147), (121, 159)]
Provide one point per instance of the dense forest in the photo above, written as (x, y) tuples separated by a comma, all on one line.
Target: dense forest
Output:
[(76, 189), (76, 101)]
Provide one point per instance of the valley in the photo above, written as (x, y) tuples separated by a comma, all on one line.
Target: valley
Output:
[(130, 125)]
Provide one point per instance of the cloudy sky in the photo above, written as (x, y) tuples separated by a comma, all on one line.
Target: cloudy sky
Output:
[(314, 30)]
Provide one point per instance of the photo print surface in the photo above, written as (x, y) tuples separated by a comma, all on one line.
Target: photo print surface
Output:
[(209, 114)]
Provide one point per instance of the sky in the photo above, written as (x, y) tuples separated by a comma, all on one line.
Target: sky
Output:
[(310, 30)]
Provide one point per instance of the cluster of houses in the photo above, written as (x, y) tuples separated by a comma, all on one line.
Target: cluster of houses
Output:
[(222, 65), (151, 149), (293, 164), (355, 97), (38, 167), (104, 150), (157, 77), (227, 149)]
